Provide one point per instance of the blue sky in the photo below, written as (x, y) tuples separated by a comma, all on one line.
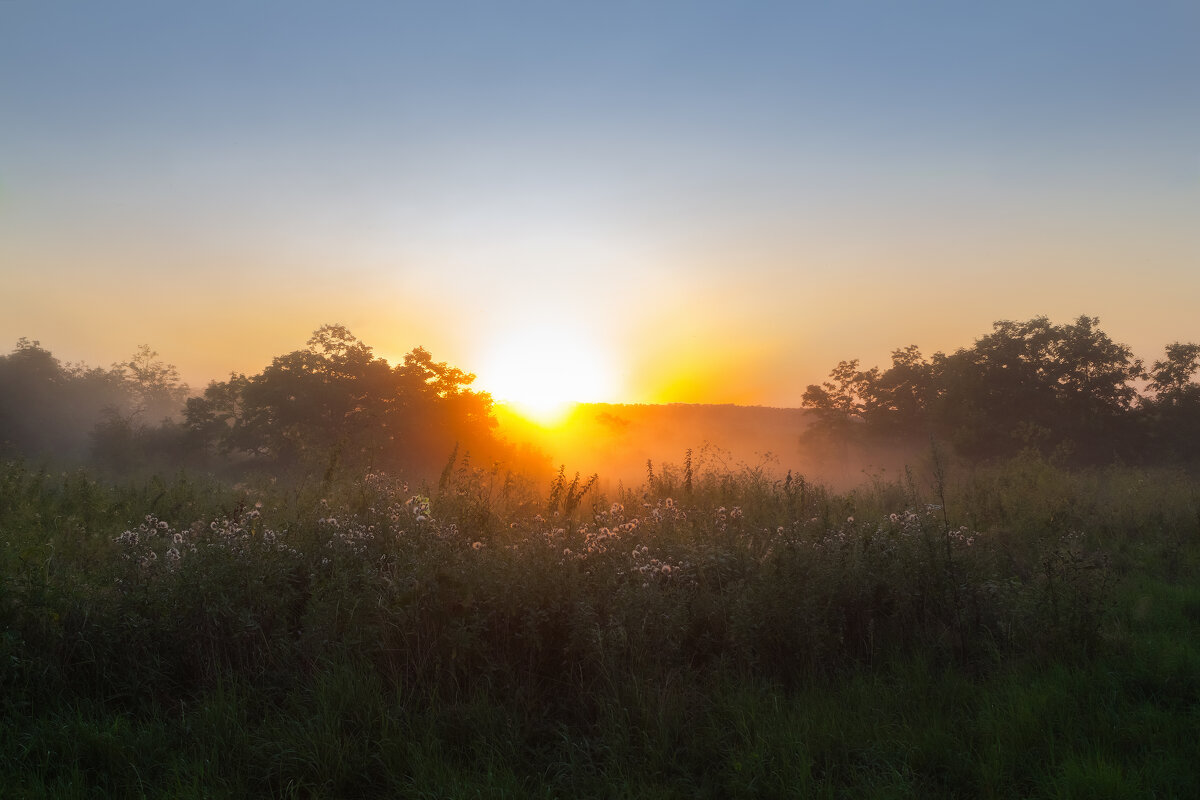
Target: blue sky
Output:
[(725, 198)]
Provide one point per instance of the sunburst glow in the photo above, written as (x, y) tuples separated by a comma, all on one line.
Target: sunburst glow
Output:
[(542, 371)]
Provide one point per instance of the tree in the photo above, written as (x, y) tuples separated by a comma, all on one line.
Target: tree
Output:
[(897, 400), (309, 402), (335, 402), (1035, 384), (841, 401), (1064, 388), (47, 408), (1093, 374), (154, 387), (210, 418), (1171, 378), (1172, 415)]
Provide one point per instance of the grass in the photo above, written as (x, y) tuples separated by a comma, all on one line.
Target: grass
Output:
[(1036, 634)]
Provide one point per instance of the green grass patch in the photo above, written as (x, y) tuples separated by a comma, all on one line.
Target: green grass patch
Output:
[(1035, 633)]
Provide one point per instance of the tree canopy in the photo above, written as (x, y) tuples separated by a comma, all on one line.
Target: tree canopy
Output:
[(335, 399), (1068, 389), (48, 408), (330, 402)]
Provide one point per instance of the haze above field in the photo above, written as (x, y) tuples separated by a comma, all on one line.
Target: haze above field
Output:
[(616, 441), (650, 202)]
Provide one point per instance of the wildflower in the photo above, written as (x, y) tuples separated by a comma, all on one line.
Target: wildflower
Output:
[(477, 545), (666, 569), (172, 554), (850, 520), (617, 508), (162, 525), (177, 538), (669, 503)]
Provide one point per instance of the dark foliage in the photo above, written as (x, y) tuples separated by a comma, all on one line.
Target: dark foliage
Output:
[(331, 405), (1064, 390), (70, 412), (334, 403)]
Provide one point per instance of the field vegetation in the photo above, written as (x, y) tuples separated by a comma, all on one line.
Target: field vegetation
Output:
[(286, 617)]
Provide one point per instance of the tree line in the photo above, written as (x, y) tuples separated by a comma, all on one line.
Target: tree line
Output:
[(73, 411), (330, 404), (1061, 390), (1067, 391)]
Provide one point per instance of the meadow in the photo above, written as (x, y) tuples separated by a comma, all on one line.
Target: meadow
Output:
[(1014, 630)]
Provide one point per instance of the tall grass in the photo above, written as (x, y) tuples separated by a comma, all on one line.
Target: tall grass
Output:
[(1018, 629)]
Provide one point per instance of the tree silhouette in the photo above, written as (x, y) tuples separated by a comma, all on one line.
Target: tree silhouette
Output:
[(334, 401), (1172, 416), (1171, 378), (155, 391), (47, 409), (1033, 384), (843, 399)]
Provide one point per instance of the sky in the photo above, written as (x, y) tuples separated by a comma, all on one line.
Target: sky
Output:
[(630, 201)]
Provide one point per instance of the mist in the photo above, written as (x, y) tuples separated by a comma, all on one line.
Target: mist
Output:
[(624, 444)]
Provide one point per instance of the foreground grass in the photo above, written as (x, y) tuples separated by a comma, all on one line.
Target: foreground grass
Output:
[(808, 645), (1123, 727)]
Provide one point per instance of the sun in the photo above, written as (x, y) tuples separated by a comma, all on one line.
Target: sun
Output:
[(542, 371)]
